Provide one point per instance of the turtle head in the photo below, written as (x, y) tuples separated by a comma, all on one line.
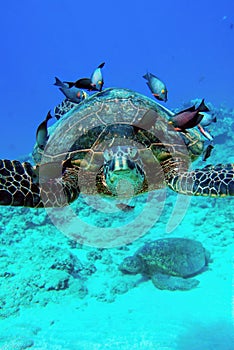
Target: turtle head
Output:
[(131, 265), (123, 171)]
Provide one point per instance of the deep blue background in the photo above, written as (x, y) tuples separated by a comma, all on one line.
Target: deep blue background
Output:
[(189, 44)]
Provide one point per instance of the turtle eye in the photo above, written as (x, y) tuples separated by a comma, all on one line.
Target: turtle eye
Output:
[(163, 91)]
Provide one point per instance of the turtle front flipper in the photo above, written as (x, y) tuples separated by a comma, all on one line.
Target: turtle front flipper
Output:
[(213, 181), (20, 186)]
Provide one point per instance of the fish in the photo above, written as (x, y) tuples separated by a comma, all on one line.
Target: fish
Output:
[(73, 93), (94, 83), (83, 83), (156, 86), (125, 207), (208, 118), (207, 152), (205, 133), (188, 118), (97, 78), (42, 132)]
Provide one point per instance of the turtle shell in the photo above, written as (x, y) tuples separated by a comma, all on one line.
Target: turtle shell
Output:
[(170, 256), (116, 117)]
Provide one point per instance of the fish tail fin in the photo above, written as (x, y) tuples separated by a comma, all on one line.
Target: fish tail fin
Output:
[(49, 116), (101, 65), (202, 107), (58, 82), (146, 76)]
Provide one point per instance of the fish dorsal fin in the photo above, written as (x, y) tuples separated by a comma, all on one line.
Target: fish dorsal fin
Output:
[(202, 107), (190, 109), (149, 75), (146, 76)]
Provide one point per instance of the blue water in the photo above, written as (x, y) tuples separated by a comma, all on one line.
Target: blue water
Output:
[(56, 293), (189, 45)]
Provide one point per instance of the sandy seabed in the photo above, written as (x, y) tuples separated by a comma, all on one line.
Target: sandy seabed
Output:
[(43, 307)]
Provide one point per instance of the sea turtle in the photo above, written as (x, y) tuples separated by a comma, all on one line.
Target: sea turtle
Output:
[(116, 143), (169, 262)]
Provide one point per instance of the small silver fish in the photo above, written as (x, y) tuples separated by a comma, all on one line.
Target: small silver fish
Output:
[(97, 78), (42, 132), (73, 93), (156, 86)]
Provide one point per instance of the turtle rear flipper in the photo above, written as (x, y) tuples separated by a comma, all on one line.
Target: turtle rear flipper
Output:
[(20, 186), (162, 281), (213, 181)]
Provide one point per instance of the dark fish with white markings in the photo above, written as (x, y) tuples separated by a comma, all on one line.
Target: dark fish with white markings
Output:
[(42, 132), (188, 118), (95, 83), (83, 83), (156, 86)]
